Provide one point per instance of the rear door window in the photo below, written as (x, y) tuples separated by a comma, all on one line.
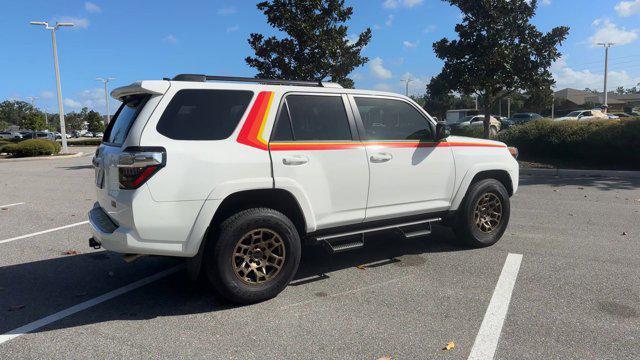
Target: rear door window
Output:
[(203, 114), (119, 127), (312, 118)]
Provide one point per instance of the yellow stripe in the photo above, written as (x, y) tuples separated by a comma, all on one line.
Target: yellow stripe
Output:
[(264, 120)]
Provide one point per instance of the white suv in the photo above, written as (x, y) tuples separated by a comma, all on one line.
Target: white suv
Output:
[(237, 173)]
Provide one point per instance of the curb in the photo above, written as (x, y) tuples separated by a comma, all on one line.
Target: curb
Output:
[(76, 155), (581, 173)]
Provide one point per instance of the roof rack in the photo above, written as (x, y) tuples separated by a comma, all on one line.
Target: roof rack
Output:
[(203, 78)]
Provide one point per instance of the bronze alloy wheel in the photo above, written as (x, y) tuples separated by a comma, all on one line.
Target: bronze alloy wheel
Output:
[(488, 212), (258, 256)]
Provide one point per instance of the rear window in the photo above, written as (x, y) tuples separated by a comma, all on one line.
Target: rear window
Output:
[(203, 114), (119, 127)]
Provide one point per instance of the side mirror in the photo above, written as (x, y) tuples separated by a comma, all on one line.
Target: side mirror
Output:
[(442, 131)]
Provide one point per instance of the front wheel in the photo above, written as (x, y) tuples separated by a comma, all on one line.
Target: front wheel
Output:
[(255, 256), (483, 216)]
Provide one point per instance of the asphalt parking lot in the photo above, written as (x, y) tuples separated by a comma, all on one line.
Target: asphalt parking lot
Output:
[(575, 295)]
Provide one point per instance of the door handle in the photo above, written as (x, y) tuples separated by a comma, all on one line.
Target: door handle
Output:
[(295, 160), (381, 157)]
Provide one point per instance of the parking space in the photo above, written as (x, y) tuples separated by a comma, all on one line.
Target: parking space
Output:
[(575, 294)]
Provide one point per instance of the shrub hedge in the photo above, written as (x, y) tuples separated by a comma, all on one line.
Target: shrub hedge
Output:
[(32, 147), (601, 143)]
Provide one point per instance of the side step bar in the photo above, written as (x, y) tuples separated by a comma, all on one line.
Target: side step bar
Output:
[(345, 241)]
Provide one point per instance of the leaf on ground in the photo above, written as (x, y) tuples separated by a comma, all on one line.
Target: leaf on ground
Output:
[(384, 358), (581, 187), (5, 208), (624, 233), (16, 307), (70, 252), (450, 346), (361, 267)]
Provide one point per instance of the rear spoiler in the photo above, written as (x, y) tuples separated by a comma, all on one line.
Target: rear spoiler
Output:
[(154, 87)]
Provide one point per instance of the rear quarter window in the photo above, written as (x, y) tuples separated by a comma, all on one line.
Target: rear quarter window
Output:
[(203, 114), (118, 129)]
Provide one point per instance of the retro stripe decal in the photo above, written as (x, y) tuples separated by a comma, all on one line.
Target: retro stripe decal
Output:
[(252, 134)]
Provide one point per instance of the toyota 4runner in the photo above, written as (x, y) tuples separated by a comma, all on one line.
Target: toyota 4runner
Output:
[(237, 173)]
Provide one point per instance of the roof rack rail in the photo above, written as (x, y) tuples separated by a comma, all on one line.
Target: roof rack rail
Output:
[(203, 78)]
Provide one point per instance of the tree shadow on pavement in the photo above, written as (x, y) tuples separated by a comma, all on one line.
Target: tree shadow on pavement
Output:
[(600, 183), (31, 291)]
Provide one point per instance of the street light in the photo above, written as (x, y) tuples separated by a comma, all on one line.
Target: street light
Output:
[(106, 95), (606, 45), (57, 70), (407, 81)]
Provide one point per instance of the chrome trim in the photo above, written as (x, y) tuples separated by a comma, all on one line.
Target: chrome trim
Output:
[(142, 159), (333, 236)]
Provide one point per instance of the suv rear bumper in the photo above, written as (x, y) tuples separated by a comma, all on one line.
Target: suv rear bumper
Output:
[(119, 239)]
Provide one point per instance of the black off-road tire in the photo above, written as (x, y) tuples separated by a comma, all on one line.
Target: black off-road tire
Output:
[(219, 256), (464, 225)]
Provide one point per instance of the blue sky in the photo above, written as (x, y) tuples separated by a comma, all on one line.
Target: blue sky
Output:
[(133, 40)]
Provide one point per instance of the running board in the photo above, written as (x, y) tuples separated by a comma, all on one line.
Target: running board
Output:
[(337, 242)]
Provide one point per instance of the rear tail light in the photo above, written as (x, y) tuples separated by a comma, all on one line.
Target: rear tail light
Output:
[(139, 164)]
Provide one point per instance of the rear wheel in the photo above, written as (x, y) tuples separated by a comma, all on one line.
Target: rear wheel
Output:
[(256, 254), (483, 216)]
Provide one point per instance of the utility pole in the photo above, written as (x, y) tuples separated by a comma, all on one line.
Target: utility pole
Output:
[(553, 106), (106, 96), (406, 89), (606, 45), (57, 71), (509, 108), (32, 99), (476, 101)]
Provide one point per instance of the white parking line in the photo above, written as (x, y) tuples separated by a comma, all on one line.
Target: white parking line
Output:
[(487, 339), (85, 305), (43, 232), (10, 205)]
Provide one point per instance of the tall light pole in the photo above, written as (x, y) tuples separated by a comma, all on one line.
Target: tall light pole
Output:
[(606, 45), (106, 96), (57, 70), (406, 88)]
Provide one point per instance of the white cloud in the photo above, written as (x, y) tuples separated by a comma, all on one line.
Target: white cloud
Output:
[(233, 28), (80, 23), (429, 29), (46, 94), (382, 87), (91, 7), (609, 32), (394, 4), (378, 69), (567, 77), (389, 21), (227, 11), (546, 2), (171, 39), (628, 8), (73, 104), (409, 45)]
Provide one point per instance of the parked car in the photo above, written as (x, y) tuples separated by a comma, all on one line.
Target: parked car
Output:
[(613, 116), (235, 175), (11, 135), (455, 116), (40, 135), (584, 115), (622, 115), (522, 118), (98, 134), (505, 122), (476, 121)]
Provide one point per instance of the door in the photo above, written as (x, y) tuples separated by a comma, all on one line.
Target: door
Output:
[(409, 173), (317, 155)]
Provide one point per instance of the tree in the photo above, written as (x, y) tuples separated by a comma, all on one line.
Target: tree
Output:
[(316, 47), (498, 51), (94, 120), (75, 120), (13, 112), (33, 120), (438, 99)]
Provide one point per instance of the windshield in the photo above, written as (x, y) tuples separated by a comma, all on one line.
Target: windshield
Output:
[(574, 114)]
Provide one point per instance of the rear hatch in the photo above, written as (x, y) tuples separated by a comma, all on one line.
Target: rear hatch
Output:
[(112, 162)]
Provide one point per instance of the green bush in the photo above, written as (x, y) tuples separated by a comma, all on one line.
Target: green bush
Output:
[(3, 144), (603, 143), (475, 132), (33, 147)]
